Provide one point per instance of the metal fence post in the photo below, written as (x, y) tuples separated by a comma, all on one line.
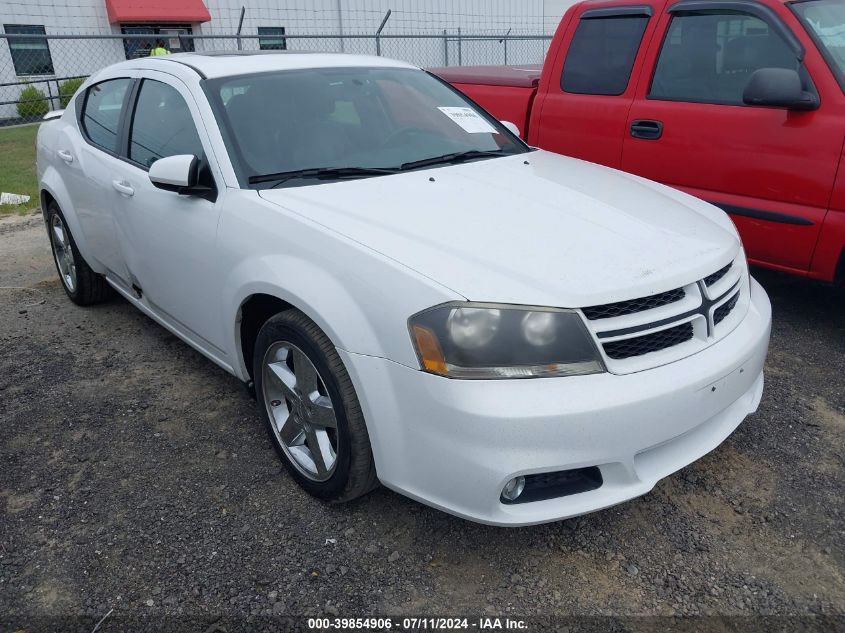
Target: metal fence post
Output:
[(505, 40), (445, 49), (340, 26), (460, 56), (50, 93), (240, 26), (378, 33)]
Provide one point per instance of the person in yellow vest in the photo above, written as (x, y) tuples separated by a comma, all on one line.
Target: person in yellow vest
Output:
[(159, 49)]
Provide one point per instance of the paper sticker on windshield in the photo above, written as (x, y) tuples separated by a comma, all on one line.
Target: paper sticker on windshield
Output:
[(468, 119)]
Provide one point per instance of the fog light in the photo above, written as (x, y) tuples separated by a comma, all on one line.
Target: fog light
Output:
[(513, 488)]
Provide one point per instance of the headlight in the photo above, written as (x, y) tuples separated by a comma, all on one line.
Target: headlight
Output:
[(482, 340), (472, 328)]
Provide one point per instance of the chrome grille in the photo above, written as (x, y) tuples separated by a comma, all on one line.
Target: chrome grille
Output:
[(632, 306)]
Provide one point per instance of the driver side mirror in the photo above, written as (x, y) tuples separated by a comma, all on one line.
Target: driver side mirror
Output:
[(178, 173), (779, 88)]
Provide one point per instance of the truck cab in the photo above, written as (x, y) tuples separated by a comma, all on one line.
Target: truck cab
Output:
[(738, 102)]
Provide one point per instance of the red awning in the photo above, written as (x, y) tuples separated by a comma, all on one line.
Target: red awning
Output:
[(157, 11)]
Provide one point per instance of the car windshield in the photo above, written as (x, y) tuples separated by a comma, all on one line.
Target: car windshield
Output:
[(302, 127), (825, 20)]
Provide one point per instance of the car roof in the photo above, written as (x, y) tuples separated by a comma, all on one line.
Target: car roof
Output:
[(228, 63)]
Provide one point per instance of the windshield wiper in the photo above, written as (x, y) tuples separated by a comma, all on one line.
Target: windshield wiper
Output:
[(329, 173), (321, 173), (455, 157)]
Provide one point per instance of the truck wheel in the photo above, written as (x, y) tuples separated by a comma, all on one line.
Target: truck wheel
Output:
[(309, 407), (82, 285)]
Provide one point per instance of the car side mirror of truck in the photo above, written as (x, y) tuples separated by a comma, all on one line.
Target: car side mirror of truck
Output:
[(779, 88)]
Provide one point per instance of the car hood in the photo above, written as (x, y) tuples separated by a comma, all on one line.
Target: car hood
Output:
[(535, 228)]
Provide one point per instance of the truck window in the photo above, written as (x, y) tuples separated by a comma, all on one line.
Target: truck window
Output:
[(709, 57), (602, 54), (825, 21)]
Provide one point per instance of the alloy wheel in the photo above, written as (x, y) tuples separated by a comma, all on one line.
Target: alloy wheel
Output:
[(63, 252), (301, 411)]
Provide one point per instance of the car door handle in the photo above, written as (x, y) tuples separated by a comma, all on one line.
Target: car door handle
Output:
[(646, 129), (123, 187), (65, 155)]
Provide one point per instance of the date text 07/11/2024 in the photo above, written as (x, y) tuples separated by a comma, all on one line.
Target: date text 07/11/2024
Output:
[(417, 623)]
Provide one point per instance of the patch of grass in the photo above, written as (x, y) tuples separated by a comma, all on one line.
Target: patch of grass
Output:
[(17, 173)]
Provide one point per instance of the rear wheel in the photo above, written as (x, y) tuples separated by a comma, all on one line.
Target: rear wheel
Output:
[(82, 285), (310, 409)]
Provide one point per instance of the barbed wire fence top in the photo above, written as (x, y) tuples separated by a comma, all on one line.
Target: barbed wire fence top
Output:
[(40, 72)]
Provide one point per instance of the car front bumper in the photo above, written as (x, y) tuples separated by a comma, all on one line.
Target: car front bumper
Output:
[(454, 444)]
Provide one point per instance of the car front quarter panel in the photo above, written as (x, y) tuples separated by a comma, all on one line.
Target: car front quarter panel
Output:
[(359, 298)]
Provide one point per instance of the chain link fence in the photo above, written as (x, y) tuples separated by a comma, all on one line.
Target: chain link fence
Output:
[(40, 73)]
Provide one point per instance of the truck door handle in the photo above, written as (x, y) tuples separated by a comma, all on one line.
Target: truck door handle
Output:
[(123, 187), (646, 129), (65, 156)]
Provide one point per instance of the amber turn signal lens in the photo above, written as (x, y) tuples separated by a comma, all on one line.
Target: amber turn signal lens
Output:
[(429, 350)]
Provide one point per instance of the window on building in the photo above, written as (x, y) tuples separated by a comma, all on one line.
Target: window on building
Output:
[(162, 125), (101, 114), (168, 34), (709, 57), (602, 54), (30, 55), (272, 38)]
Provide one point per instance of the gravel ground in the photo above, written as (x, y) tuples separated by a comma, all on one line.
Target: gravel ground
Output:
[(134, 477)]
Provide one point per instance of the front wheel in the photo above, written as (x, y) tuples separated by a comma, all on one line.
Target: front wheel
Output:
[(309, 407), (82, 285)]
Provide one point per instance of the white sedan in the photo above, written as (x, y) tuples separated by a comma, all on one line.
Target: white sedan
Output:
[(417, 297)]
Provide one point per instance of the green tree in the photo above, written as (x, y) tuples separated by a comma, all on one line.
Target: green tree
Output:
[(32, 103), (68, 88)]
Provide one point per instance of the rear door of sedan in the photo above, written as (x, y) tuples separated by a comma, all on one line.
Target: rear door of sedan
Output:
[(169, 239), (89, 160)]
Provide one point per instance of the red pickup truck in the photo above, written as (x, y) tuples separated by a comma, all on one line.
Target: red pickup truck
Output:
[(738, 102)]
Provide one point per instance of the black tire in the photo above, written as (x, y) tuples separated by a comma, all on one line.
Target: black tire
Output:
[(355, 472), (89, 287)]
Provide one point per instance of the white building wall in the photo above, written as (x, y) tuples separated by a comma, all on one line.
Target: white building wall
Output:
[(356, 17), (364, 16), (58, 16)]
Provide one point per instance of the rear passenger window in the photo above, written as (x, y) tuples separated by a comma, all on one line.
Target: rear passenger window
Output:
[(602, 54), (709, 57), (162, 125), (101, 114)]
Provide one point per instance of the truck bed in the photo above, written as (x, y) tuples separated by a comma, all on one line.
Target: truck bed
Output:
[(504, 91), (525, 76)]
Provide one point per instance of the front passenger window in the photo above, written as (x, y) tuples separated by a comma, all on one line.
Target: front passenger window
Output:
[(162, 125), (101, 113), (709, 57)]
